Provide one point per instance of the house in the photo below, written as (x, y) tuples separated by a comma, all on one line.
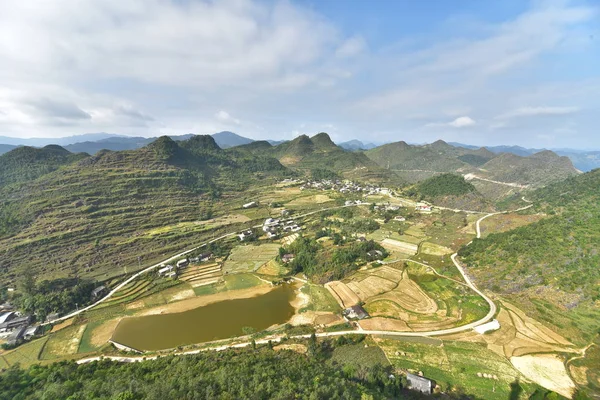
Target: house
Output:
[(172, 274), (246, 234), (195, 259), (7, 316), (183, 263), (423, 207), (348, 203), (361, 239), (399, 218), (375, 255), (205, 256), (285, 213), (32, 331), (419, 383), (355, 312), (14, 338), (16, 323), (98, 291), (286, 258), (272, 235), (165, 270), (271, 222), (250, 205)]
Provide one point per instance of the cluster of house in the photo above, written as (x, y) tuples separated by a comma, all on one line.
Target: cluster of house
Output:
[(355, 312), (273, 228), (345, 186), (17, 327), (170, 271)]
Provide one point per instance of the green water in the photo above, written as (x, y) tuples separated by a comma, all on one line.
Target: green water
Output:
[(220, 320)]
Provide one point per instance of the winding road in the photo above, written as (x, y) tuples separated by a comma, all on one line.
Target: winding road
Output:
[(492, 306)]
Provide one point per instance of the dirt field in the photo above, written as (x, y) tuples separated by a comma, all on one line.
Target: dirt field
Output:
[(272, 268), (547, 370), (286, 241), (249, 258), (102, 333), (387, 272), (195, 302), (396, 245), (383, 324), (409, 296), (62, 325), (315, 199), (342, 294), (435, 249), (385, 308), (371, 286)]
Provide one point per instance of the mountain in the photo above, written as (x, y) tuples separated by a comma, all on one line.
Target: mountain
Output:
[(99, 213), (27, 163), (550, 268), (320, 155), (449, 190), (227, 139), (5, 148), (355, 145), (537, 170), (112, 143), (64, 141)]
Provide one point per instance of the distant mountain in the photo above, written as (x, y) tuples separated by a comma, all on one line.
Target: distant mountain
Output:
[(355, 145), (4, 148), (228, 139), (64, 141)]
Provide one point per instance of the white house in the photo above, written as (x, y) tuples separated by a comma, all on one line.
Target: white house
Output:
[(250, 205)]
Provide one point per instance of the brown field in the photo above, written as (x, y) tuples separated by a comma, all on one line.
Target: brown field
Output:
[(386, 308), (409, 296), (387, 272), (314, 199), (435, 249), (342, 293), (547, 370), (371, 286), (272, 268), (62, 325), (102, 333), (199, 275), (383, 324), (286, 241), (506, 222), (396, 245)]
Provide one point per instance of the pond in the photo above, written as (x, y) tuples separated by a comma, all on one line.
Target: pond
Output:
[(214, 321)]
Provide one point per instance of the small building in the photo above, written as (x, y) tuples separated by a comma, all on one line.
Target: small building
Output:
[(183, 263), (205, 256), (272, 235), (16, 323), (172, 274), (165, 270), (349, 203), (99, 291), (17, 335), (246, 234), (361, 239), (31, 331), (399, 218), (285, 213), (423, 208), (250, 205), (7, 316), (355, 312), (419, 383), (286, 258)]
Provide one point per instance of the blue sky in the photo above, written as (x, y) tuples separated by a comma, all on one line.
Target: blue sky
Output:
[(478, 72)]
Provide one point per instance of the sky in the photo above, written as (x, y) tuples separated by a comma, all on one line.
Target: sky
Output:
[(478, 72)]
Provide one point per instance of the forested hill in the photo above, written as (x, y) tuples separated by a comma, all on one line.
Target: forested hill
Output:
[(27, 163), (319, 153), (551, 265), (97, 213)]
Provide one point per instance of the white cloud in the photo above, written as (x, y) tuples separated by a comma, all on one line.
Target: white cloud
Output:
[(224, 117), (460, 122), (538, 111), (351, 47)]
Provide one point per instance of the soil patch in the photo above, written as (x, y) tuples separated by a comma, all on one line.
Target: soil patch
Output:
[(546, 370), (102, 333)]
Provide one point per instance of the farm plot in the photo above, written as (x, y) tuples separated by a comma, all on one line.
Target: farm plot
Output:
[(409, 296), (547, 370), (309, 200), (249, 258), (199, 275), (25, 355), (435, 249), (63, 343), (403, 247), (342, 294), (272, 268), (371, 286)]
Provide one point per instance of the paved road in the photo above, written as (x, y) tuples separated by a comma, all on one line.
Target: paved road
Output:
[(175, 257)]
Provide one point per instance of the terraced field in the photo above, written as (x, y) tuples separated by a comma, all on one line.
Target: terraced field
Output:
[(199, 275)]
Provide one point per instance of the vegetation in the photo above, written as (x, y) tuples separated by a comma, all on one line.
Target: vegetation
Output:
[(554, 260), (444, 185)]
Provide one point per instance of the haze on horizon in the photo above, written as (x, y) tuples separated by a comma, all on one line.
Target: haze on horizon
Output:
[(482, 73)]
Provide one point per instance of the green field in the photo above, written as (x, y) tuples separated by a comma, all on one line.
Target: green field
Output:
[(25, 355), (230, 282), (320, 299), (248, 258)]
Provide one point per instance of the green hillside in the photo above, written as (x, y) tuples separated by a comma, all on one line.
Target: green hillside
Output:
[(28, 163), (305, 155), (97, 215), (550, 266)]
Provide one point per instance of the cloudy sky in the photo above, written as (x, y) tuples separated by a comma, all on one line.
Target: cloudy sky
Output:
[(479, 72)]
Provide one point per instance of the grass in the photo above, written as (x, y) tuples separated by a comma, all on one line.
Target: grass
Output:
[(272, 268), (320, 299), (359, 356), (249, 258), (456, 364), (63, 343), (85, 345), (230, 282), (25, 355)]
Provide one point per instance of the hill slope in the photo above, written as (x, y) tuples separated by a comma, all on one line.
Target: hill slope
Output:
[(552, 265), (98, 214), (28, 163)]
